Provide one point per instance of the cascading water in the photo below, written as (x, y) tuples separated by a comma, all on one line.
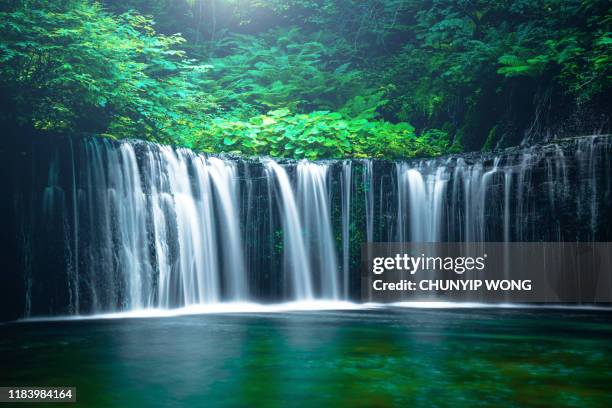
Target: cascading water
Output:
[(224, 179), (421, 196), (117, 269), (295, 255), (346, 220), (183, 228), (153, 226), (112, 226), (368, 189), (315, 217)]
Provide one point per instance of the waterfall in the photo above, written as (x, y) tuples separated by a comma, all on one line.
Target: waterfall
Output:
[(114, 226), (422, 188), (346, 222), (295, 258), (521, 195), (315, 217), (587, 170), (155, 219), (507, 203), (210, 288), (224, 179), (131, 208), (368, 189), (75, 218), (523, 188), (162, 207), (188, 232)]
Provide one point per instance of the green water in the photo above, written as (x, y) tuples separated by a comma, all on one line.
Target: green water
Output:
[(383, 357)]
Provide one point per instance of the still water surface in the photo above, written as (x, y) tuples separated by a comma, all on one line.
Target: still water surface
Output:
[(381, 357)]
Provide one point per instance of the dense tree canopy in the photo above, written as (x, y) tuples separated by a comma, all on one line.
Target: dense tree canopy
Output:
[(317, 78)]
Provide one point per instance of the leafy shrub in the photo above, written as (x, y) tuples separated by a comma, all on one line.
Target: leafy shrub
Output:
[(319, 134)]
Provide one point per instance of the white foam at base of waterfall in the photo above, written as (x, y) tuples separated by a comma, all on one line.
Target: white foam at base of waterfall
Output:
[(248, 308)]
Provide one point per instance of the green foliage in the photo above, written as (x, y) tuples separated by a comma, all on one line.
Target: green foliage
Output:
[(319, 134), (470, 58), (280, 68), (313, 79), (511, 65), (69, 66)]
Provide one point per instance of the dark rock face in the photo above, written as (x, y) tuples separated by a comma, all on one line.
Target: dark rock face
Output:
[(94, 225)]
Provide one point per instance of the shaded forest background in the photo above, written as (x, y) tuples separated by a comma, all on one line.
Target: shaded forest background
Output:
[(314, 79)]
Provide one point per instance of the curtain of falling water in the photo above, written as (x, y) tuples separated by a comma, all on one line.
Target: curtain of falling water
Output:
[(129, 202), (346, 220), (314, 209), (160, 247), (521, 196), (296, 261), (368, 189), (421, 195), (189, 260), (143, 225), (224, 178)]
